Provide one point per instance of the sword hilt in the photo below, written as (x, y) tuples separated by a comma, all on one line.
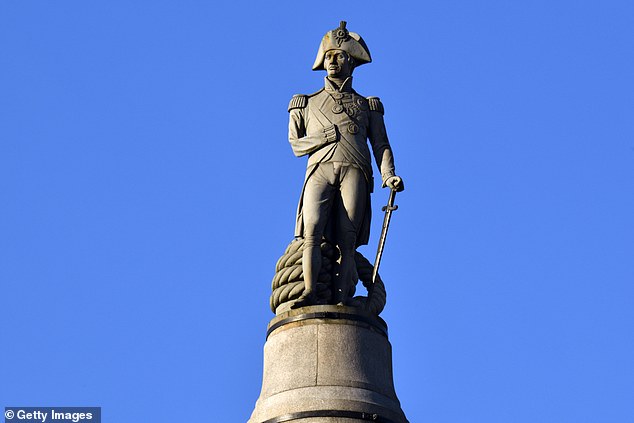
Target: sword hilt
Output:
[(390, 201)]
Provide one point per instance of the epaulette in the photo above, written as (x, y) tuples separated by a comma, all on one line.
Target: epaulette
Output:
[(299, 101), (375, 105)]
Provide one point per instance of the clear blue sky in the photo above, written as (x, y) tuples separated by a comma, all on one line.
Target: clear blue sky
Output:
[(147, 188)]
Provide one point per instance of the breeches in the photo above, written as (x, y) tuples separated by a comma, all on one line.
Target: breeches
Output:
[(335, 193)]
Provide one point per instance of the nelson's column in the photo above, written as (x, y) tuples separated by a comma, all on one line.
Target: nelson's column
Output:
[(327, 358)]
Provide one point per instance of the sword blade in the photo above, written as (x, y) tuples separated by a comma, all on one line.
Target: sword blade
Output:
[(386, 224)]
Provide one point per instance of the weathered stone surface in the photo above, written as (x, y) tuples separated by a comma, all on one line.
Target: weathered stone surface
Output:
[(327, 358), (293, 362), (350, 356)]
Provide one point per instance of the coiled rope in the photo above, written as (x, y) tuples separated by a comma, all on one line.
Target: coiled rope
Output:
[(288, 282)]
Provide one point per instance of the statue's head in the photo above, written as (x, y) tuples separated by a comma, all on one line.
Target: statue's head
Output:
[(341, 45)]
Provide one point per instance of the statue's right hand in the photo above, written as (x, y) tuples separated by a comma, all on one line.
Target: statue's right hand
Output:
[(331, 133)]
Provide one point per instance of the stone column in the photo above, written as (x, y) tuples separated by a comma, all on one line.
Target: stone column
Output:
[(327, 364)]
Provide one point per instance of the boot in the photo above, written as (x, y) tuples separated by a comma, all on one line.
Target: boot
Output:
[(306, 299)]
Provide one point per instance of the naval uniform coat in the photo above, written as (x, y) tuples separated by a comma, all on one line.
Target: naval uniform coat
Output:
[(334, 125)]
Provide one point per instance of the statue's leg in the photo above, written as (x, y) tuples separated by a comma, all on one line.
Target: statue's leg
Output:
[(316, 205), (349, 221)]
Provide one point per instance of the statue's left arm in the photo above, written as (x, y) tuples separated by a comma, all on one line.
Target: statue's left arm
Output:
[(381, 148)]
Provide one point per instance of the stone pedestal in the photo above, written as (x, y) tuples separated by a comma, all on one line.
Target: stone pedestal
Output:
[(327, 364)]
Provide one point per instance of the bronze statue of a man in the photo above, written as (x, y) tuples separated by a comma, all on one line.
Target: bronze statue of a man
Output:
[(332, 127)]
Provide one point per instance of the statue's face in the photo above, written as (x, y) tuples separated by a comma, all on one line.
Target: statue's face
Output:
[(338, 64)]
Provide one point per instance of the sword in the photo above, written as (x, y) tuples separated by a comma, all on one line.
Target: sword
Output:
[(386, 223)]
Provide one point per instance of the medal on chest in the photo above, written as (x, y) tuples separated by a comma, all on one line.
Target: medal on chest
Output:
[(352, 105)]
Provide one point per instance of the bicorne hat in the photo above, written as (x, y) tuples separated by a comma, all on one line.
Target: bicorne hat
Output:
[(341, 39)]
